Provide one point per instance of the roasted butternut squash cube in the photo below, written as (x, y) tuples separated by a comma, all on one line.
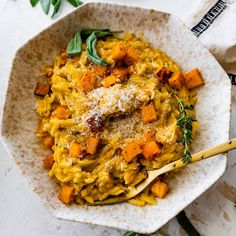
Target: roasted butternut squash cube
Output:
[(41, 89), (48, 162), (176, 80), (48, 141), (132, 56), (109, 81), (193, 79), (131, 151), (120, 73), (92, 145), (163, 75), (159, 189), (88, 82), (101, 71), (61, 112), (76, 150), (150, 149), (118, 51), (66, 194), (148, 114), (147, 137)]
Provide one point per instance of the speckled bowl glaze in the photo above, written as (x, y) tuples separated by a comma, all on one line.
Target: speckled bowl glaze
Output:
[(162, 30)]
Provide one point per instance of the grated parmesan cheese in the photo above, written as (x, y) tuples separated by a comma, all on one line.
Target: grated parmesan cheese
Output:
[(105, 102)]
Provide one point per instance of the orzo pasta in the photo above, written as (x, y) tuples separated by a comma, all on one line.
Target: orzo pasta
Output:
[(106, 126)]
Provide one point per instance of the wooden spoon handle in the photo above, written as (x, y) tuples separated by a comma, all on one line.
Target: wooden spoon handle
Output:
[(221, 148)]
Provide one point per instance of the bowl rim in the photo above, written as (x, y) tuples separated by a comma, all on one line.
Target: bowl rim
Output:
[(150, 228)]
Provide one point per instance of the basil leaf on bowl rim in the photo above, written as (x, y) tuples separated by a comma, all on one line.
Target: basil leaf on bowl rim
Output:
[(74, 47), (100, 33), (91, 35), (92, 52), (89, 31)]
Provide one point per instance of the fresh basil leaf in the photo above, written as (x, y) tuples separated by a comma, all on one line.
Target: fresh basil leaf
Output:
[(92, 52), (103, 34), (87, 32), (34, 2), (74, 47), (56, 7), (100, 33), (75, 3), (45, 4), (186, 224)]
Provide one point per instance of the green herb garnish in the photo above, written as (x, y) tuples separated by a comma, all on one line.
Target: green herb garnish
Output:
[(185, 121), (90, 35), (46, 4), (74, 47), (186, 224), (92, 52), (100, 33)]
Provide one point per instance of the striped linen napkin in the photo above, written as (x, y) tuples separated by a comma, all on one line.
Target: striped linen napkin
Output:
[(214, 23)]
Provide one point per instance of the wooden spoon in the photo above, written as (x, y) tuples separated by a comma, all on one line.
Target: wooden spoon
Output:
[(152, 175)]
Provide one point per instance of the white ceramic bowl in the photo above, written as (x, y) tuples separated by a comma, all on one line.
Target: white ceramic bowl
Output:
[(163, 31)]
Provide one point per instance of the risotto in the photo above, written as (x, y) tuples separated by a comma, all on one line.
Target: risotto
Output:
[(106, 126)]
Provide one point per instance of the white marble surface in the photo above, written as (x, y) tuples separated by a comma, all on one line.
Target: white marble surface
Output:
[(20, 210)]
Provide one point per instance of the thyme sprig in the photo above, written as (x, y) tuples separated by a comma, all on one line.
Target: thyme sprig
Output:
[(185, 121)]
